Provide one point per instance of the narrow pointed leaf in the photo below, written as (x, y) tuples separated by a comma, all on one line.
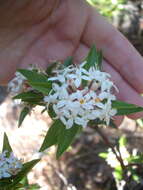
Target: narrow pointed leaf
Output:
[(91, 58), (122, 141), (51, 67), (33, 76), (25, 170), (23, 114), (99, 60), (6, 145), (4, 183), (65, 138), (68, 61), (37, 80), (51, 112), (19, 185), (29, 96), (103, 155), (136, 159), (94, 59), (24, 181), (44, 87), (124, 108), (118, 174), (52, 135)]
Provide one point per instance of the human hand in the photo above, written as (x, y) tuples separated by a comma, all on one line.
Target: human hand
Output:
[(30, 35)]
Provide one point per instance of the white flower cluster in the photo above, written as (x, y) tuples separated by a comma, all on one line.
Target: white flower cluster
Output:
[(79, 96), (15, 86), (112, 160), (9, 166), (18, 83)]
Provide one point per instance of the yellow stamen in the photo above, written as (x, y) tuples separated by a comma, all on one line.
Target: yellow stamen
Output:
[(82, 101), (97, 100)]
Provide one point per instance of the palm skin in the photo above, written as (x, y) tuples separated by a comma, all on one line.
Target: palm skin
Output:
[(30, 35)]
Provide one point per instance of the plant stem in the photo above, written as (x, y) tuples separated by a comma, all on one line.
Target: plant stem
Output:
[(119, 158)]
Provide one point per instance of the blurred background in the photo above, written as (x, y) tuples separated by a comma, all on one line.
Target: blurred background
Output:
[(81, 165)]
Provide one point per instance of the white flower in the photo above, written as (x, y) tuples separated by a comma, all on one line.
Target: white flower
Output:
[(79, 76), (60, 78), (76, 103), (15, 86), (51, 98), (108, 112), (81, 121), (113, 161), (106, 95), (60, 91), (92, 115), (97, 75), (19, 83), (68, 122), (82, 100), (9, 166), (106, 85)]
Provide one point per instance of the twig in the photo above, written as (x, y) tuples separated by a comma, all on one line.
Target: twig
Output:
[(63, 179), (119, 158)]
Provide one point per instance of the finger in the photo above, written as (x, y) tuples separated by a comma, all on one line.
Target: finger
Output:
[(116, 48), (126, 92), (118, 120), (80, 53)]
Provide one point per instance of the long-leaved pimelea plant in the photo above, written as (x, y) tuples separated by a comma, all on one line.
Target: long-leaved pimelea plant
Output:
[(12, 169), (75, 96)]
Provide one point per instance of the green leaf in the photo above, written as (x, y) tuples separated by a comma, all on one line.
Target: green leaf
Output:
[(51, 112), (6, 145), (33, 76), (29, 96), (44, 87), (28, 186), (91, 58), (52, 135), (103, 155), (99, 60), (134, 174), (24, 181), (68, 61), (37, 80), (94, 59), (136, 159), (4, 183), (118, 173), (122, 141), (25, 170), (65, 138), (23, 114), (51, 67), (33, 187), (136, 178), (124, 108), (19, 185)]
